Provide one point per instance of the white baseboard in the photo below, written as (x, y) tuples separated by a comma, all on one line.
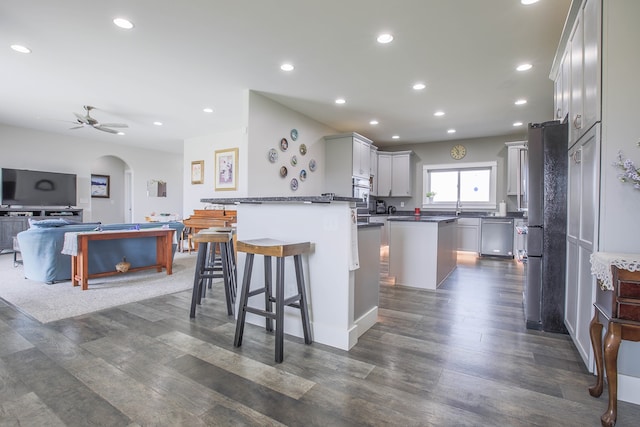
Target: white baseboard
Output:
[(367, 320), (629, 389)]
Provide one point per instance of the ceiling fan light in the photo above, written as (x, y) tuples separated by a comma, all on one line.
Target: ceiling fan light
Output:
[(121, 133)]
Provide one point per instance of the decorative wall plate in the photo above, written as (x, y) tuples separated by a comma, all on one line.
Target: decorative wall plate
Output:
[(284, 144), (273, 155), (294, 134), (294, 184), (294, 160), (283, 171), (303, 149), (312, 165), (303, 175)]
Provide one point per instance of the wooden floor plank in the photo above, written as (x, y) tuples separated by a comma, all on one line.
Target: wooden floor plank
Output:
[(460, 355)]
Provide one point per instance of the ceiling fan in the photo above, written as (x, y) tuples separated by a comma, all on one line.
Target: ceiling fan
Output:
[(87, 120)]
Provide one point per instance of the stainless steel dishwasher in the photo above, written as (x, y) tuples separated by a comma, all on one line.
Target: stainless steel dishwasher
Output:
[(497, 237)]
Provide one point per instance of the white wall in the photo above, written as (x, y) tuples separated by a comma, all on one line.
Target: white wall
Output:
[(204, 148), (22, 148), (620, 203), (478, 150), (111, 210), (269, 122)]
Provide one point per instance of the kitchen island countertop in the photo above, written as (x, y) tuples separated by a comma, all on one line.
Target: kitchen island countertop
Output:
[(419, 218)]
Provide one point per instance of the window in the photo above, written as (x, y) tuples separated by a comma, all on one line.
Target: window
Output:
[(472, 186)]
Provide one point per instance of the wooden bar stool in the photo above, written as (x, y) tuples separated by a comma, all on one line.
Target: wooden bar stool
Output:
[(209, 267), (273, 248)]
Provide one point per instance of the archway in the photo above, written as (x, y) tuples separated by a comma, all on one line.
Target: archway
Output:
[(116, 207)]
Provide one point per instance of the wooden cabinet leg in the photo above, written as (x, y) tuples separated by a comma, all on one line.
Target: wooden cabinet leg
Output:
[(595, 332), (611, 346)]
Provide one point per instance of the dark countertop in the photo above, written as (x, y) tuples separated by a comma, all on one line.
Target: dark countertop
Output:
[(280, 199), (369, 224), (515, 215), (422, 218)]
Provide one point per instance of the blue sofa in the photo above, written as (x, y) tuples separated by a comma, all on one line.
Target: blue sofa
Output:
[(41, 247)]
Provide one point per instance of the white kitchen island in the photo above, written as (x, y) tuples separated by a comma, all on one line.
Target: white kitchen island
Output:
[(330, 269), (422, 250)]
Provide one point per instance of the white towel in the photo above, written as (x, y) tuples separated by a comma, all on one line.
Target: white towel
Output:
[(70, 246)]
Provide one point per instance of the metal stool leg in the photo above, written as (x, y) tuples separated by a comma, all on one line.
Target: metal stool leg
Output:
[(268, 293), (244, 298), (226, 277), (196, 296), (304, 311), (279, 309)]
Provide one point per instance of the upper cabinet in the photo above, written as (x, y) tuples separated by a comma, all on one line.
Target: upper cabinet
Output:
[(347, 155), (361, 157), (577, 80), (373, 156), (516, 168), (394, 174)]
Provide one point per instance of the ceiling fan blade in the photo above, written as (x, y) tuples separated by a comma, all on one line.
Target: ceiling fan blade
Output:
[(77, 127), (82, 118), (103, 129), (114, 125)]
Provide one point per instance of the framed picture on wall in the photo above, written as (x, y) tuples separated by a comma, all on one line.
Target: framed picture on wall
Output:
[(100, 187), (226, 169), (197, 172)]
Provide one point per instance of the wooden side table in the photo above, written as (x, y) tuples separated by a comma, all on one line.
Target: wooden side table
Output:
[(620, 307)]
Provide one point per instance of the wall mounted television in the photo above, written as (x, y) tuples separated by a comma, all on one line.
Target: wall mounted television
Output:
[(37, 188)]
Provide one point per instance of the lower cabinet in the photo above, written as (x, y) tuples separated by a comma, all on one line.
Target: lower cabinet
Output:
[(468, 230), (10, 227), (582, 211), (382, 219)]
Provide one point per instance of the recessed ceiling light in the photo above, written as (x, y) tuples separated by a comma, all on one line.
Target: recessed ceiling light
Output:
[(451, 131), (438, 113), (524, 67), (395, 137), (123, 23), (340, 101), (419, 86), (521, 102), (157, 123), (385, 38), (373, 122), (208, 110), (20, 48), (528, 2), (516, 124), (121, 133), (286, 67)]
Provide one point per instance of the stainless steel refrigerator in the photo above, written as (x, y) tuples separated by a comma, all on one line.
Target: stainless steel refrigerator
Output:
[(544, 291)]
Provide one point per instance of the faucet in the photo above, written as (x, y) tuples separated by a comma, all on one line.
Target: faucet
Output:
[(458, 207)]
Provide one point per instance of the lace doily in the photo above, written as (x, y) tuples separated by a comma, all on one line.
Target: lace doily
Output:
[(601, 263)]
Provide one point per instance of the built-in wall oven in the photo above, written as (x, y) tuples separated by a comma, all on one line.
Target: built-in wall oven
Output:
[(360, 190)]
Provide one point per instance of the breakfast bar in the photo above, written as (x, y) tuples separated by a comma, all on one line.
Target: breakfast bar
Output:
[(329, 224)]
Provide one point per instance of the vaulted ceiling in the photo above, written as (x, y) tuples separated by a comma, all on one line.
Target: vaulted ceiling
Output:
[(182, 57)]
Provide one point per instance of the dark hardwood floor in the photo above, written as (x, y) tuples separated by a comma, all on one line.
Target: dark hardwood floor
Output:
[(454, 357)]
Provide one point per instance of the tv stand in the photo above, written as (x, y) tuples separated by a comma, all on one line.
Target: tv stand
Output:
[(14, 220)]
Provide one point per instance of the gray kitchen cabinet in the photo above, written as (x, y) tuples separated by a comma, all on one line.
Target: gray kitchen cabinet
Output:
[(582, 211), (384, 230), (578, 78), (384, 174), (346, 156), (394, 174), (373, 156), (468, 235), (516, 167)]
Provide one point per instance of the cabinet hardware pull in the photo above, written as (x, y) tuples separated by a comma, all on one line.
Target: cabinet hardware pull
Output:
[(577, 122), (559, 113), (577, 156)]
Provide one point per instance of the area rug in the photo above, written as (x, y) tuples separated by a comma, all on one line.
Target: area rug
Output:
[(48, 303)]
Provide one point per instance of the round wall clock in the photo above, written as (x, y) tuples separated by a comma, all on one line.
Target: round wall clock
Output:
[(458, 151)]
